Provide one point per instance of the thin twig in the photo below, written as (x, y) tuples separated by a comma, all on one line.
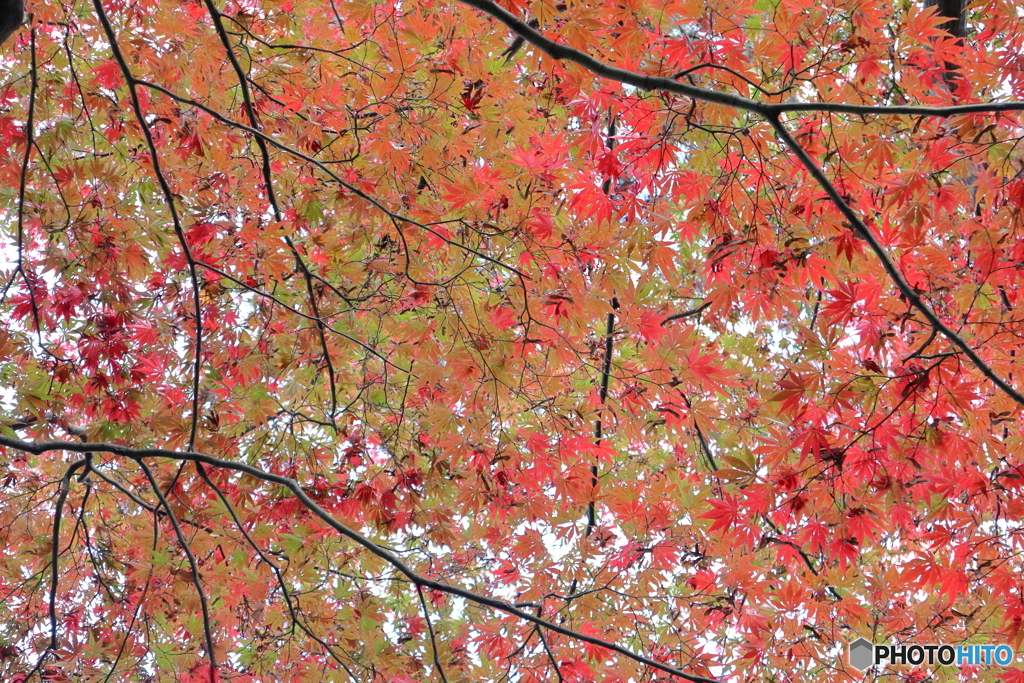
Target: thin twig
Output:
[(686, 314), (921, 349), (433, 638)]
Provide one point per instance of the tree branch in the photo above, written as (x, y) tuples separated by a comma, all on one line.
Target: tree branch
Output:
[(165, 188), (685, 314), (770, 112), (646, 82), (433, 638), (268, 181), (193, 565), (65, 487), (140, 454), (861, 228)]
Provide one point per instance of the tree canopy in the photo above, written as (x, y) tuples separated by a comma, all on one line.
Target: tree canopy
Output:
[(461, 340)]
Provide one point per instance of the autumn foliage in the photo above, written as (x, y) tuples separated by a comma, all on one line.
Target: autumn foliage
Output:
[(439, 340)]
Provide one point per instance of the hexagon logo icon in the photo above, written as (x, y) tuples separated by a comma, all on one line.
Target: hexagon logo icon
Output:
[(861, 654)]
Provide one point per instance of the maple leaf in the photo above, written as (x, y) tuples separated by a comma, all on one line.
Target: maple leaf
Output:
[(108, 74), (791, 393), (725, 513), (594, 653), (651, 328), (702, 580), (602, 451), (503, 318)]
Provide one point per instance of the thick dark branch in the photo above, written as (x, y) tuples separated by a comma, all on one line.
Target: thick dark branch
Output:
[(65, 486), (955, 11), (599, 68), (770, 112), (48, 418), (645, 82), (29, 138), (12, 15), (606, 375), (861, 228), (23, 178), (315, 309), (606, 370), (139, 454)]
